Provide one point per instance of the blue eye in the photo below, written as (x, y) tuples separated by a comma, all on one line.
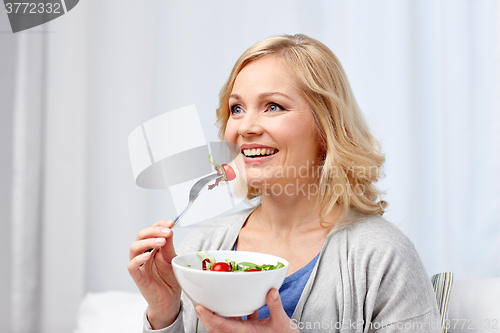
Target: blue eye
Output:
[(236, 109), (275, 107)]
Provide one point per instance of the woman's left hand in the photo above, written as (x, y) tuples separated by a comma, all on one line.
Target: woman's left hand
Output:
[(278, 321)]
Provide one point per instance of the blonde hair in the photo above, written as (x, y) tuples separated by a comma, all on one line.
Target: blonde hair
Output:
[(349, 148)]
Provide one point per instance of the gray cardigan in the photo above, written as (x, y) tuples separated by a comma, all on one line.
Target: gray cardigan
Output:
[(368, 278)]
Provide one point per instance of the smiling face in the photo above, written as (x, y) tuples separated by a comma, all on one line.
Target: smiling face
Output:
[(273, 124)]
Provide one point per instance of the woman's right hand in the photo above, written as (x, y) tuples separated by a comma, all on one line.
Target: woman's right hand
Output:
[(155, 279)]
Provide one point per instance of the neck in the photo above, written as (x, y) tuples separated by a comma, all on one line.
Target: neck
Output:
[(292, 213)]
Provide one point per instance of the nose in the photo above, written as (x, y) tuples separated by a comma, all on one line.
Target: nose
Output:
[(250, 125)]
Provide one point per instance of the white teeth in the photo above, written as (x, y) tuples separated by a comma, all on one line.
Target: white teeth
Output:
[(258, 152)]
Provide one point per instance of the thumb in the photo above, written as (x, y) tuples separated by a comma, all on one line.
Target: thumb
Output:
[(274, 304), (167, 251)]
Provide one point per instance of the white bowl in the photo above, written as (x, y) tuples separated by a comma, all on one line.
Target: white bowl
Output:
[(229, 294)]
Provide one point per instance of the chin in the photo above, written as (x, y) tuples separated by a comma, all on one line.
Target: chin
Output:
[(257, 183)]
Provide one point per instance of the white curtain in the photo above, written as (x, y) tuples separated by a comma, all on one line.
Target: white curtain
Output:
[(426, 74)]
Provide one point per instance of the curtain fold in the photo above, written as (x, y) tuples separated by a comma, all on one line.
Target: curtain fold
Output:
[(27, 166), (454, 144), (425, 73), (7, 70)]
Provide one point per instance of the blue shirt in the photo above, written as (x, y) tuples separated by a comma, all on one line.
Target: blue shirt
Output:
[(291, 289)]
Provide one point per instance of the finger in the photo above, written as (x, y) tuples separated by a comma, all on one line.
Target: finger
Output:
[(135, 264), (164, 223), (254, 316), (215, 323), (164, 255), (274, 304), (167, 251), (162, 271), (139, 247), (156, 231)]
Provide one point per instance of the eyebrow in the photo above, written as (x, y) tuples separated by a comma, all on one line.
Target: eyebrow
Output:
[(263, 95)]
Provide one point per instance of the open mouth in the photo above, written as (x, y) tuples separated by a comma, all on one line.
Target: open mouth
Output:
[(258, 152)]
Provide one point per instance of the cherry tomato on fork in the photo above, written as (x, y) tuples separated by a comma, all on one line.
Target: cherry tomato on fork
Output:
[(221, 267), (230, 174)]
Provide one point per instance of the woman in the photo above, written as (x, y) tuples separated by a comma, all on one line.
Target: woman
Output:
[(312, 161)]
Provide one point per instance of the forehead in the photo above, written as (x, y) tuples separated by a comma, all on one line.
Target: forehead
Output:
[(264, 75)]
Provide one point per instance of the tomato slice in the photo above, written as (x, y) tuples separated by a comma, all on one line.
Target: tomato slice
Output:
[(221, 267), (230, 174), (253, 270)]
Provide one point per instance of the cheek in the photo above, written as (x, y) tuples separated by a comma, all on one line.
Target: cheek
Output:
[(296, 134), (230, 132), (302, 142)]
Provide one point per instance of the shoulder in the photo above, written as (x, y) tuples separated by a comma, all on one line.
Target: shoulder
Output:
[(383, 264), (218, 233), (374, 232), (377, 247)]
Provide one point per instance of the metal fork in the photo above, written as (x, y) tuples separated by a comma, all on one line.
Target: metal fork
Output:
[(193, 194)]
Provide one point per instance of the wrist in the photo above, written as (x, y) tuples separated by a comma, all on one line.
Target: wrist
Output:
[(163, 317)]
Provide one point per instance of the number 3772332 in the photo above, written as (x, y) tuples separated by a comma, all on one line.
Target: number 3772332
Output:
[(33, 8)]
